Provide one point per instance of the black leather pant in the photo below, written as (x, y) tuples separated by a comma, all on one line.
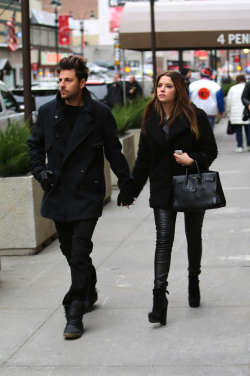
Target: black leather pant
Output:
[(165, 229), (76, 245)]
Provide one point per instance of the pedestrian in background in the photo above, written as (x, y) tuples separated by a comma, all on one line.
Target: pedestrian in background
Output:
[(172, 123), (235, 110), (207, 94), (246, 102), (133, 89), (115, 92), (186, 74), (72, 130)]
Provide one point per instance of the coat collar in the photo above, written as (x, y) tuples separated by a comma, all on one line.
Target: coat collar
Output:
[(155, 130)]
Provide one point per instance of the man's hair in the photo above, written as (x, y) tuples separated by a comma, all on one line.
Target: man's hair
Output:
[(74, 62), (240, 78)]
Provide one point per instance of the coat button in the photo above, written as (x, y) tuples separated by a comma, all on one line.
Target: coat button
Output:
[(57, 135), (82, 171), (96, 181), (60, 188), (81, 187), (85, 151), (58, 153)]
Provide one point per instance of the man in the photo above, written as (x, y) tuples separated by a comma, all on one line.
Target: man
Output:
[(133, 89), (115, 92), (207, 94), (186, 74), (72, 130)]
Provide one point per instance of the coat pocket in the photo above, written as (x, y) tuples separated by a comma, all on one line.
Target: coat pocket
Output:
[(97, 145), (47, 147)]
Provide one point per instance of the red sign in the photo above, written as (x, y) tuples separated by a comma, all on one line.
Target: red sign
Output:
[(236, 58), (115, 15), (204, 93), (34, 67), (201, 54), (63, 30)]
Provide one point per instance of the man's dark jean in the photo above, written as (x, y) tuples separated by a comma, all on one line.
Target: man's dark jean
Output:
[(76, 245)]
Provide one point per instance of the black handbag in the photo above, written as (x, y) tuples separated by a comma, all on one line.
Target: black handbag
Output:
[(201, 191), (230, 128)]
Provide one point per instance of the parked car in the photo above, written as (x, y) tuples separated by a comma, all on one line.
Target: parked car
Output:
[(105, 64), (43, 92), (9, 108)]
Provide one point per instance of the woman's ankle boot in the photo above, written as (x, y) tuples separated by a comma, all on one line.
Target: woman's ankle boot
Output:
[(194, 292), (160, 305)]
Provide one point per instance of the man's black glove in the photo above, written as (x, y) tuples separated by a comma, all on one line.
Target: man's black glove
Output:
[(45, 181), (124, 200)]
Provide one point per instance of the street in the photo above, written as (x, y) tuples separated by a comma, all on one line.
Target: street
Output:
[(118, 339)]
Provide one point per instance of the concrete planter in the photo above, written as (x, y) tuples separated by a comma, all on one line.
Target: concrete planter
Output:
[(23, 230), (128, 150)]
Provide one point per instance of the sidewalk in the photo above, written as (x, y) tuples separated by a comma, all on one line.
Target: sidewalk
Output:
[(118, 339)]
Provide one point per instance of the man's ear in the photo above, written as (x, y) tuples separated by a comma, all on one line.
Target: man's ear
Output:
[(82, 83)]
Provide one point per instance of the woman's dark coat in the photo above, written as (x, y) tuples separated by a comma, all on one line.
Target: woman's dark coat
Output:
[(76, 159), (155, 155)]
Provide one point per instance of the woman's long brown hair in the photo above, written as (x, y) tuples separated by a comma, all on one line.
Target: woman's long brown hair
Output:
[(182, 103)]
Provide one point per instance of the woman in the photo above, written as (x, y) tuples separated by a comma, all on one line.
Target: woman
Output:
[(235, 110), (171, 123)]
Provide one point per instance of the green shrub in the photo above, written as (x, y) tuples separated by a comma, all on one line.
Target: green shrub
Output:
[(14, 156), (225, 87), (130, 115)]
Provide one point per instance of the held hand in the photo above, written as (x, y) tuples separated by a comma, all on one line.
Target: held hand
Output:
[(45, 181), (123, 200), (183, 159)]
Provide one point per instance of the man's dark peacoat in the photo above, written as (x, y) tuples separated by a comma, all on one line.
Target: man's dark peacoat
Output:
[(76, 159)]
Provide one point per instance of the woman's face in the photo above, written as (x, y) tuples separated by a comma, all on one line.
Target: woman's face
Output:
[(166, 91)]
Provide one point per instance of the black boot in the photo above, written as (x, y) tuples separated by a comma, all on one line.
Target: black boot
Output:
[(74, 314), (91, 299), (160, 305), (194, 292)]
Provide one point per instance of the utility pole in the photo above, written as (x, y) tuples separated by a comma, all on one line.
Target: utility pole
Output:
[(153, 38), (26, 60)]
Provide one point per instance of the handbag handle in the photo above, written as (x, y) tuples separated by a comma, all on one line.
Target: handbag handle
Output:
[(186, 179)]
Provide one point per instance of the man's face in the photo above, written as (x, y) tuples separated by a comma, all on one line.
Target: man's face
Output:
[(188, 75), (116, 78), (69, 86), (132, 79)]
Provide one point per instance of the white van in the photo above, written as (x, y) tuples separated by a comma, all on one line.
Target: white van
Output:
[(8, 108)]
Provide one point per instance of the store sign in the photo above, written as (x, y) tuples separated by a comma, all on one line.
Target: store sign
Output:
[(234, 39), (49, 58)]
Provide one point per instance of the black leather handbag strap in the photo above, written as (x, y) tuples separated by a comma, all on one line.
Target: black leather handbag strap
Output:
[(199, 173)]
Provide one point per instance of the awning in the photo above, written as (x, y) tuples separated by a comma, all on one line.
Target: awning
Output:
[(188, 25), (5, 64)]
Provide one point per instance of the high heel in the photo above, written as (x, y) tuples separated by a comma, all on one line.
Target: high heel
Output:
[(160, 306), (194, 292)]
